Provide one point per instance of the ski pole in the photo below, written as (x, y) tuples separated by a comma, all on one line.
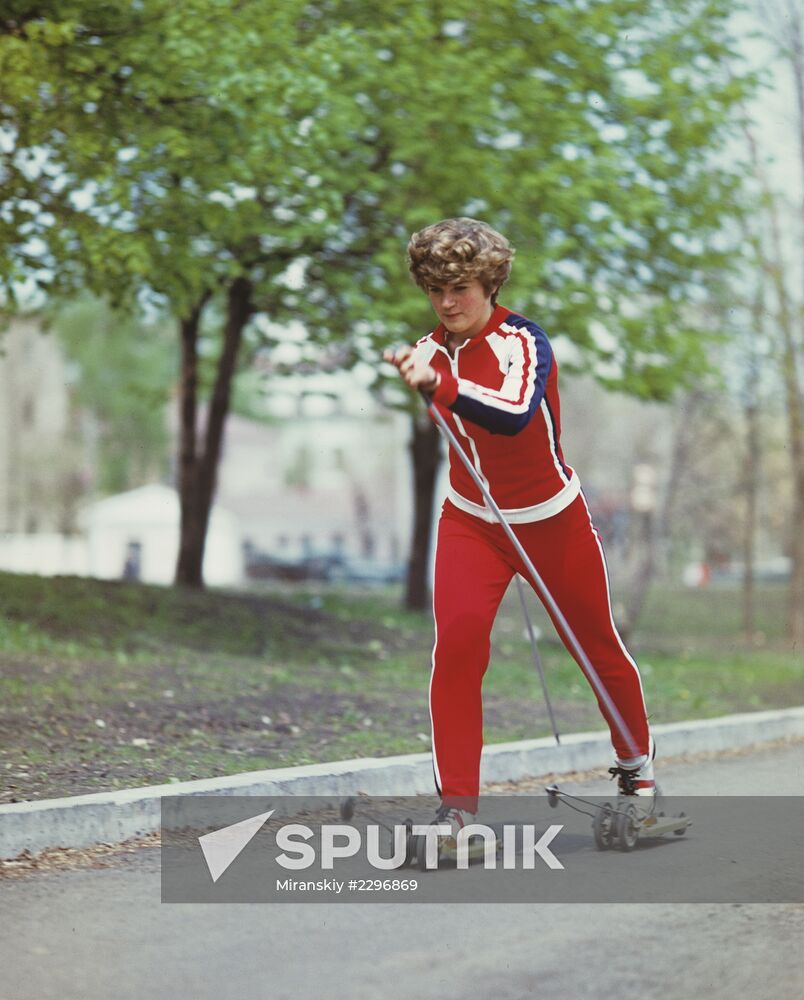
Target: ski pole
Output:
[(536, 656), (541, 589)]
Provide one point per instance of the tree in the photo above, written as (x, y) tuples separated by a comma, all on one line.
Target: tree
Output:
[(187, 152), (588, 134), (784, 28), (193, 152), (773, 266)]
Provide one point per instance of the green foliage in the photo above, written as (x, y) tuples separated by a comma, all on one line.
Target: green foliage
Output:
[(185, 144), (589, 133), (169, 148)]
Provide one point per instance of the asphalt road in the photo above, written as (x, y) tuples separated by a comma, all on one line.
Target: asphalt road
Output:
[(100, 934)]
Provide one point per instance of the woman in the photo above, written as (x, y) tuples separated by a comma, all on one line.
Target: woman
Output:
[(492, 374)]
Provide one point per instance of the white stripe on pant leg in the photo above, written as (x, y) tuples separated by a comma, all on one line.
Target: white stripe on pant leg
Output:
[(436, 771), (611, 615)]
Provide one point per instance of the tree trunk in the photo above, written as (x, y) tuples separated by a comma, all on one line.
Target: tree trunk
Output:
[(198, 467), (751, 474), (750, 485), (795, 424), (187, 473), (425, 450), (793, 48), (773, 264), (646, 542), (655, 528), (795, 628)]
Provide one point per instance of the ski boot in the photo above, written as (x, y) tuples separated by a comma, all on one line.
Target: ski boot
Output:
[(636, 802), (635, 777), (453, 820)]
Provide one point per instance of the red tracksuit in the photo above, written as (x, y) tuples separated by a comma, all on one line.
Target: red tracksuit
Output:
[(499, 394)]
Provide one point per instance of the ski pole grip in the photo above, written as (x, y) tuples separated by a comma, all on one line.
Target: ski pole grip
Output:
[(426, 396)]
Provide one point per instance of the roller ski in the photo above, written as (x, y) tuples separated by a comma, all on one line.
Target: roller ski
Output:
[(450, 822), (633, 817)]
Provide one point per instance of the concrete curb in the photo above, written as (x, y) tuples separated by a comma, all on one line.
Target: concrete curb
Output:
[(111, 817)]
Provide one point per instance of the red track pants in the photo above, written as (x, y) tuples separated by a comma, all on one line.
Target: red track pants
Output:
[(475, 562)]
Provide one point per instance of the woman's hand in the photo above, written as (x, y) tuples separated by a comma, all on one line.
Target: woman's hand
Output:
[(416, 373)]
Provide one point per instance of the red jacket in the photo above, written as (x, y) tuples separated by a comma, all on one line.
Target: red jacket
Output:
[(499, 394)]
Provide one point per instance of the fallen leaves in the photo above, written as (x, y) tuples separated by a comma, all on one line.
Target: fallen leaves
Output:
[(59, 859)]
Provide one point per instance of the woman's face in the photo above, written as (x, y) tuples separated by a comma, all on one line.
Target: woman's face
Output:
[(463, 307)]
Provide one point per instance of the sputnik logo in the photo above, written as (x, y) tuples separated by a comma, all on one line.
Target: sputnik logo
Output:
[(222, 847)]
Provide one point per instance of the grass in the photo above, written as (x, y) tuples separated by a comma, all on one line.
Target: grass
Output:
[(106, 684)]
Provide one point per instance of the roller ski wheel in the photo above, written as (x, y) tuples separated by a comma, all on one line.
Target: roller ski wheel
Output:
[(603, 827), (628, 824)]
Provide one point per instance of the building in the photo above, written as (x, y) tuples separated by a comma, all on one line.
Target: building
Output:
[(42, 471), (135, 536)]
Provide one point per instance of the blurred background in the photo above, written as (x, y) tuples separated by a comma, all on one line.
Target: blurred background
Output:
[(204, 215), (216, 504)]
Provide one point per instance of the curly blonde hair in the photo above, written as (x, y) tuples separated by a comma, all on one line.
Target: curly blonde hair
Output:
[(459, 250)]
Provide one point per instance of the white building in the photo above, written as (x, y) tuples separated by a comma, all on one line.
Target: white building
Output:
[(40, 470), (326, 471), (136, 534), (320, 484)]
